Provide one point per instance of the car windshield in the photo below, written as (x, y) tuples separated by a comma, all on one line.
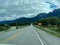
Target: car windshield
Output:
[(29, 22)]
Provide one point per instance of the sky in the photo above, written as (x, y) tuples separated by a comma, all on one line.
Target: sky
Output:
[(13, 9)]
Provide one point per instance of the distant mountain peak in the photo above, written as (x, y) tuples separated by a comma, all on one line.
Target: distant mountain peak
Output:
[(33, 19)]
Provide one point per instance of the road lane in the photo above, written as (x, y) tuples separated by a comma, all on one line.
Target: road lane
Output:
[(48, 38), (39, 37), (5, 35), (11, 37), (27, 37), (12, 31)]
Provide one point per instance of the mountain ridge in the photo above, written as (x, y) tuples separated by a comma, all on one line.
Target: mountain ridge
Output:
[(56, 13)]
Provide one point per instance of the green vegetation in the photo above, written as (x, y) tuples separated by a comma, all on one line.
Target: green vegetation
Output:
[(4, 27), (51, 25), (54, 28), (50, 20), (50, 31), (19, 24)]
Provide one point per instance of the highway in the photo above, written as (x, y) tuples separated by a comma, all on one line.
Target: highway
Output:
[(28, 35)]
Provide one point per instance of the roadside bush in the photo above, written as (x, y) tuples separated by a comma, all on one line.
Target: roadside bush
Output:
[(4, 28)]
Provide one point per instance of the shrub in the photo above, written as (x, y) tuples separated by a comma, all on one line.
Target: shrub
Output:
[(5, 27)]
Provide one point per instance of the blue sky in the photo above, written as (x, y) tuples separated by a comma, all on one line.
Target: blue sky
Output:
[(13, 9)]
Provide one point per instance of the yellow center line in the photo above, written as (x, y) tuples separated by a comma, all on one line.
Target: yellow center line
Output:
[(10, 38)]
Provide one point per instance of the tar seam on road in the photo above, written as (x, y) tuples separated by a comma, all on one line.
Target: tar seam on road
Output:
[(39, 38), (10, 38)]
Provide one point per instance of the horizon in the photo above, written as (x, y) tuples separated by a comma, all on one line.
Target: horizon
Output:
[(36, 16)]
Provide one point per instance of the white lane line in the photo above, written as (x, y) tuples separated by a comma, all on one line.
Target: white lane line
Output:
[(39, 38)]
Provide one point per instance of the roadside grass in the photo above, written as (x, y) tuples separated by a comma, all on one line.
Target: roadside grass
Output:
[(4, 28), (10, 28), (55, 29), (50, 31)]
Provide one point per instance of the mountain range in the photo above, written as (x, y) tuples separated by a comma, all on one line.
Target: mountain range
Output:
[(56, 13)]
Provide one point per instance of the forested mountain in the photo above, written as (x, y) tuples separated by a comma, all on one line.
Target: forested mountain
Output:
[(56, 13)]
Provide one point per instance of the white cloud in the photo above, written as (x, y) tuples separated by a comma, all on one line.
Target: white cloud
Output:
[(12, 9)]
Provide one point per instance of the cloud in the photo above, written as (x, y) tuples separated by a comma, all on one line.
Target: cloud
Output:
[(13, 9), (55, 2)]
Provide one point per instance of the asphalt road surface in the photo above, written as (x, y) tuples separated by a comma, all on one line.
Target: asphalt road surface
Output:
[(28, 35)]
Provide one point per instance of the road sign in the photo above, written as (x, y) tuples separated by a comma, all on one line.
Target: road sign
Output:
[(39, 24)]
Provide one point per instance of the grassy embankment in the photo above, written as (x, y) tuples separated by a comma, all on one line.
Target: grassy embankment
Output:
[(7, 27), (51, 30), (4, 28)]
